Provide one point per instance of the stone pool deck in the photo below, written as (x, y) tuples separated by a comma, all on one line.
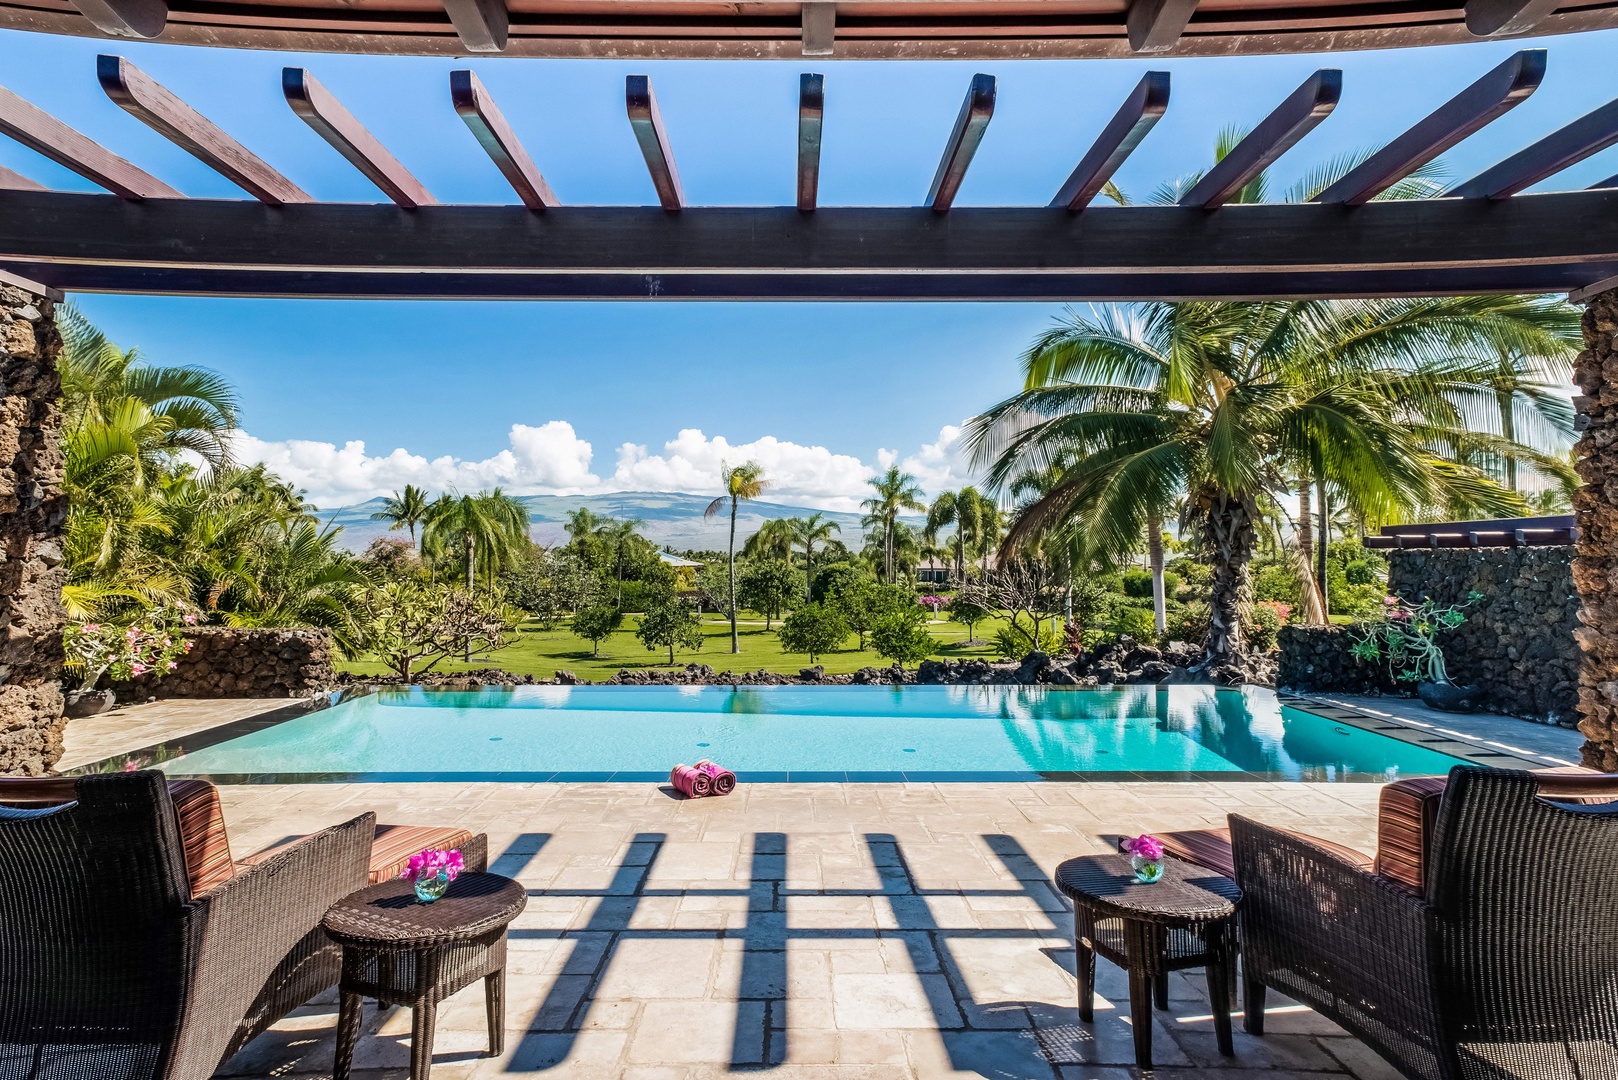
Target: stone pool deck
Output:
[(866, 931)]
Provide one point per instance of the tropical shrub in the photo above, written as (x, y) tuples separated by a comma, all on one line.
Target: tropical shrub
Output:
[(769, 586), (867, 601), (901, 636), (814, 628), (1137, 582), (394, 558), (1187, 623), (671, 623), (968, 611), (1014, 644), (1406, 637), (411, 626), (151, 646), (1262, 627), (597, 622), (548, 584)]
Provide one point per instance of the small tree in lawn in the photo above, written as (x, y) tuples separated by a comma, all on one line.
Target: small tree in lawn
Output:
[(670, 623), (901, 636), (966, 609), (867, 601), (411, 626), (814, 629), (596, 623), (768, 586)]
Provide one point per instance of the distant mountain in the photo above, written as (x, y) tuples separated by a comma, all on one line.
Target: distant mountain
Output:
[(668, 519)]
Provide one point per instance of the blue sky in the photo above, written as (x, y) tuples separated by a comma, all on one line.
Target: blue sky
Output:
[(547, 396)]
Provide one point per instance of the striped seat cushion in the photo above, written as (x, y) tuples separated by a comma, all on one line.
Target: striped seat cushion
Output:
[(1405, 820), (393, 846), (202, 834), (1210, 849)]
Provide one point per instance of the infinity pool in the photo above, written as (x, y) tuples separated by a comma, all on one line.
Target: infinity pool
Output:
[(855, 733)]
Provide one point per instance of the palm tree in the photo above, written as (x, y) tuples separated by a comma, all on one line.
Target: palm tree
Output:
[(810, 531), (774, 540), (896, 492), (1222, 402), (489, 520), (968, 510), (405, 509), (744, 481), (618, 535)]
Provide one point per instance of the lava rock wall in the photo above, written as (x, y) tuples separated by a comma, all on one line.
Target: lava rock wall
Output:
[(243, 662), (1595, 569)]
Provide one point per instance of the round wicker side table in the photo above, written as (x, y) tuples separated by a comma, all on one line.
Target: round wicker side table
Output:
[(403, 952), (1187, 919)]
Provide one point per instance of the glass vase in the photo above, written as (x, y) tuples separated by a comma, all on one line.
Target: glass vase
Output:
[(1147, 871), (432, 888)]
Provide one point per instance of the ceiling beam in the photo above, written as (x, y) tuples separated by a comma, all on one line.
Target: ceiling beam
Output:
[(488, 125), (1155, 26), (1140, 112), (1500, 18), (811, 114), (316, 106), (1533, 243), (647, 122), (482, 25), (1294, 118), (16, 181), (970, 124), (1609, 182), (126, 18), (1589, 134), (151, 103), (42, 132), (1485, 101), (819, 27)]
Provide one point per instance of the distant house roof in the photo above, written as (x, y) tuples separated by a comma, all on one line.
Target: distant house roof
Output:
[(675, 560)]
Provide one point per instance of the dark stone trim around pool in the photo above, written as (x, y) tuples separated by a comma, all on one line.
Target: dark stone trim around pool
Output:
[(1473, 753)]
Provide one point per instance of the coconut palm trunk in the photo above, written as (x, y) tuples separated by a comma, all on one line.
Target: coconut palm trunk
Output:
[(1323, 551), (1506, 401), (1154, 550), (1314, 604), (735, 641), (1229, 523), (471, 570)]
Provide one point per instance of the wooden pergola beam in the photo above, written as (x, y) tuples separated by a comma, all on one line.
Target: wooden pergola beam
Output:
[(42, 132), (155, 106), (819, 27), (482, 25), (647, 121), (811, 116), (1294, 118), (1155, 26), (1485, 101), (1139, 113), (1532, 243), (1589, 134), (970, 124), (488, 125), (323, 112), (142, 19), (1500, 18), (16, 181)]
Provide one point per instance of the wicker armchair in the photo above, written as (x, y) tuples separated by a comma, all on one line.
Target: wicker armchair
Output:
[(1507, 967), (110, 967)]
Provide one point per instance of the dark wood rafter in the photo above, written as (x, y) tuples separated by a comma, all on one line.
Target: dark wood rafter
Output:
[(1294, 118), (323, 112), (1155, 26), (819, 27), (1609, 182), (1531, 243), (488, 125), (151, 103), (1140, 113), (970, 124), (142, 19), (482, 25), (1500, 18), (1589, 134), (811, 116), (16, 181), (647, 121), (42, 132), (1480, 104)]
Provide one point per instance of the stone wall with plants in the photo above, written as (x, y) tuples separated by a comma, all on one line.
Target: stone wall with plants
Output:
[(1517, 645), (242, 662)]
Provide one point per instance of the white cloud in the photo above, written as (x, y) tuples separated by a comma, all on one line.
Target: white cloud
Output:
[(552, 459)]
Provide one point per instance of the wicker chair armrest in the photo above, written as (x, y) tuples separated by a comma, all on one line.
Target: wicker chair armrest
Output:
[(255, 934), (1335, 936)]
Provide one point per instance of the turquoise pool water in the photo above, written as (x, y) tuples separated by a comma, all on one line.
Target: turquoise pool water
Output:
[(857, 733)]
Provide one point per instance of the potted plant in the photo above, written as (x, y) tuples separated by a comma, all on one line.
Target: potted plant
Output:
[(151, 645), (1406, 637)]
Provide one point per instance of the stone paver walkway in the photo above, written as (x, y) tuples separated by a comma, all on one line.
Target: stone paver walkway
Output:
[(804, 930), (133, 727)]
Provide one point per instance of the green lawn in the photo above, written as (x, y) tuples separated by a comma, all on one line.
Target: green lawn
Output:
[(542, 653)]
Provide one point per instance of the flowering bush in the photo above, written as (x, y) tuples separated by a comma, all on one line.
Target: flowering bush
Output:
[(152, 645), (1406, 636), (934, 602), (1146, 846), (426, 865), (1283, 611)]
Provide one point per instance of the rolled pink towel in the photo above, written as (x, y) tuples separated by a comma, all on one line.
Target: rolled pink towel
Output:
[(724, 781), (691, 781)]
